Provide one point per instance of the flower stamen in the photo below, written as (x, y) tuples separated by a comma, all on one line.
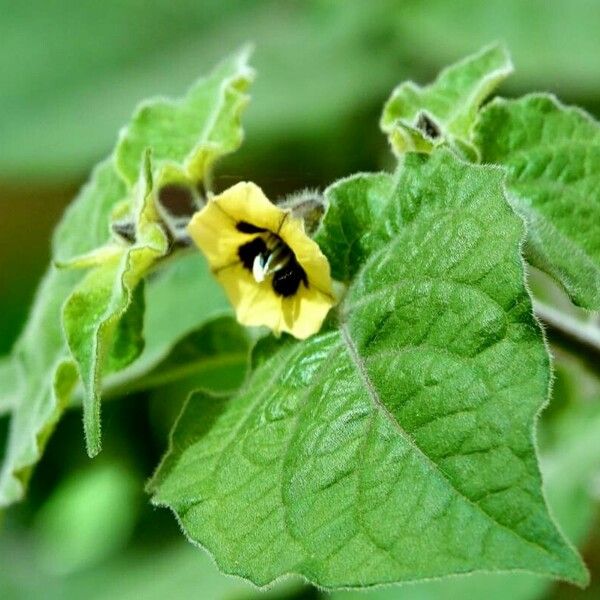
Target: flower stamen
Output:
[(268, 256)]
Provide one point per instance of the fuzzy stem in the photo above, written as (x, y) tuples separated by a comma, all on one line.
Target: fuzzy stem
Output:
[(581, 332)]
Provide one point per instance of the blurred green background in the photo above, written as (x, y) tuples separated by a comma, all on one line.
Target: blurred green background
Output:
[(71, 73)]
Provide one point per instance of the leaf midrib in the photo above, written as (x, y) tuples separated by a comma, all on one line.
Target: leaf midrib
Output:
[(373, 394)]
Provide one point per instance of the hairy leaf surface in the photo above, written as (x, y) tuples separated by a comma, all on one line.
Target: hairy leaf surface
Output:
[(552, 153), (86, 222), (194, 131), (185, 137), (106, 308), (398, 445), (569, 465), (419, 118), (47, 377), (349, 230)]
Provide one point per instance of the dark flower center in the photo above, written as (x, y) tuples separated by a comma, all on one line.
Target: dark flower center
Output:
[(268, 255)]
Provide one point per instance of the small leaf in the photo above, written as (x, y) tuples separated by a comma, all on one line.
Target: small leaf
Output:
[(552, 154), (416, 119), (399, 445), (194, 131)]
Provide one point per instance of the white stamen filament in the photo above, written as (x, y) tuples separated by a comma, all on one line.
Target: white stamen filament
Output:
[(262, 268)]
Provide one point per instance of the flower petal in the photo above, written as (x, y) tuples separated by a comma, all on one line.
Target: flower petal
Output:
[(255, 303), (308, 254), (245, 201), (215, 234), (304, 313)]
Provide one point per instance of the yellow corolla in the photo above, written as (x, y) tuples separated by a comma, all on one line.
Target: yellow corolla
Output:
[(272, 272)]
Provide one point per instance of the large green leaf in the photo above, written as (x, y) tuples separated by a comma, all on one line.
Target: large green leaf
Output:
[(570, 465), (419, 118), (349, 230), (399, 444), (552, 154)]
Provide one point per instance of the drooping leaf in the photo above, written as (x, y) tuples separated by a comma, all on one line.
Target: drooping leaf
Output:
[(93, 313), (552, 155), (194, 131), (46, 371), (185, 137), (399, 445), (83, 238), (48, 377), (419, 118)]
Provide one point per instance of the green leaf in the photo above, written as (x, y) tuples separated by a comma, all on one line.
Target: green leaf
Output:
[(194, 131), (348, 231), (48, 377), (46, 372), (552, 154), (419, 118), (169, 317), (9, 376), (213, 357), (86, 222), (103, 310), (185, 137), (569, 467), (93, 313), (399, 445), (219, 348)]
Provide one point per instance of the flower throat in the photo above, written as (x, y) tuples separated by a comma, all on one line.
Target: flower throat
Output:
[(267, 255)]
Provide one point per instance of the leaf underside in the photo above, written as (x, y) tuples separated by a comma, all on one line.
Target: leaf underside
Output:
[(398, 445)]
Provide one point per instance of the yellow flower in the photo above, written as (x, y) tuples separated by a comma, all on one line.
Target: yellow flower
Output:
[(272, 272)]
